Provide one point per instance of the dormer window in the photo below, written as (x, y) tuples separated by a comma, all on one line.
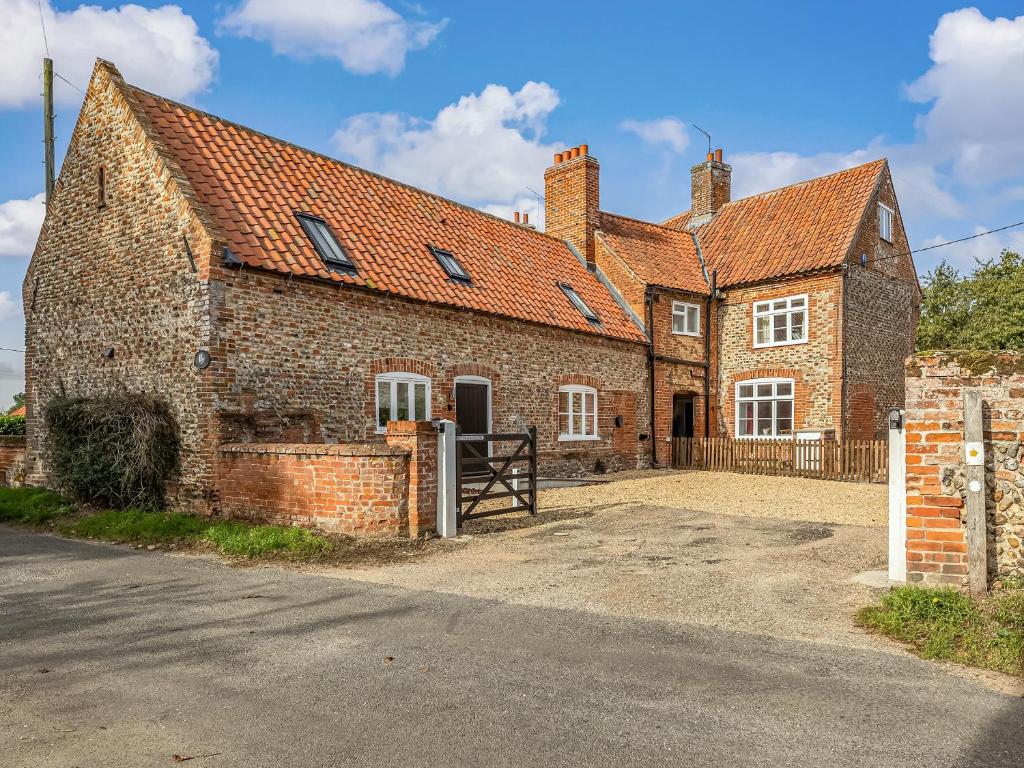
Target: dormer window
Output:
[(450, 264), (885, 217), (578, 302), (324, 241)]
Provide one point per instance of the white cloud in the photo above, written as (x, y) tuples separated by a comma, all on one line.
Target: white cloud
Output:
[(966, 255), (668, 132), (158, 48), (8, 306), (484, 149), (19, 225), (366, 36), (975, 87)]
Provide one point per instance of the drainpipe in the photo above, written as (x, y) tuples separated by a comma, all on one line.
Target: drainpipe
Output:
[(707, 355), (649, 305)]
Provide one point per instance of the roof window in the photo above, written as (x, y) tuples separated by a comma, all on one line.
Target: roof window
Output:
[(578, 302), (324, 241), (450, 264)]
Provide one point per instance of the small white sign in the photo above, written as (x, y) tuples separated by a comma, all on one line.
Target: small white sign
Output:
[(974, 454)]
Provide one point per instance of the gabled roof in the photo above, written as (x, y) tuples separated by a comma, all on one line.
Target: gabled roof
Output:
[(251, 186), (657, 255), (800, 228)]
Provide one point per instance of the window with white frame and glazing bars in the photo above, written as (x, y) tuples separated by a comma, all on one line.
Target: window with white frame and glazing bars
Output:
[(885, 217), (764, 408), (402, 397), (577, 413), (685, 318), (780, 321)]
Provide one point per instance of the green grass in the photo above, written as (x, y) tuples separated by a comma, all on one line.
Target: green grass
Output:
[(229, 537), (33, 506), (949, 625)]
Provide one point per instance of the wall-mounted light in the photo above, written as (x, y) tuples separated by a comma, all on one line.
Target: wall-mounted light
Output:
[(202, 360)]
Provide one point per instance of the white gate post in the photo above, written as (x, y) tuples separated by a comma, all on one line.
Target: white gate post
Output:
[(897, 496), (447, 525)]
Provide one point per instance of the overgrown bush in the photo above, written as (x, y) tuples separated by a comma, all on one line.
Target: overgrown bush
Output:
[(12, 425), (117, 450)]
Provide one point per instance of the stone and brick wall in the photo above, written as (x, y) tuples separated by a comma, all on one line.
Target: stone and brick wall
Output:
[(815, 366), (111, 300), (296, 352), (360, 488), (12, 460), (936, 534)]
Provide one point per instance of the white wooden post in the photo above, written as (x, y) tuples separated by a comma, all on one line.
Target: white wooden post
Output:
[(977, 521), (447, 525), (897, 496), (515, 487)]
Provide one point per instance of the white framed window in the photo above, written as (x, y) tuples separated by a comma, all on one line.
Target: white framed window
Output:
[(402, 397), (685, 318), (780, 321), (885, 218), (764, 408), (577, 413)]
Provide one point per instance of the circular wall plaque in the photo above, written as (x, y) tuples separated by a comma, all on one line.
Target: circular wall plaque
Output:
[(202, 359)]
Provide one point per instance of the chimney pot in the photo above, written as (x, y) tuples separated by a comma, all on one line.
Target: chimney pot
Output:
[(711, 156), (584, 149), (526, 218), (575, 152), (558, 158), (516, 216), (718, 155)]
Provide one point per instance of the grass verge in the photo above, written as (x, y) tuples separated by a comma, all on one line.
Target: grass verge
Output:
[(229, 537), (948, 625), (32, 506)]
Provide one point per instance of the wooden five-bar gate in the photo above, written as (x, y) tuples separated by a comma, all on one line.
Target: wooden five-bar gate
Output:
[(495, 473), (865, 461)]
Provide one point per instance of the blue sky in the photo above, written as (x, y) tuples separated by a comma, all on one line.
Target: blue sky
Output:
[(470, 99)]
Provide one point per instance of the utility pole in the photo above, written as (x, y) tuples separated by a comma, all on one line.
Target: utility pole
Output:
[(48, 125)]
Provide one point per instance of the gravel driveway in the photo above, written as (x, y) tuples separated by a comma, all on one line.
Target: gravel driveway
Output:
[(766, 555)]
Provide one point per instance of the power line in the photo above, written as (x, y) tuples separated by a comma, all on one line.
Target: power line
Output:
[(11, 349), (59, 76), (46, 43), (951, 242)]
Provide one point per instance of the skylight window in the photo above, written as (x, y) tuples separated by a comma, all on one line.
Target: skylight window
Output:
[(324, 241), (450, 264), (578, 302)]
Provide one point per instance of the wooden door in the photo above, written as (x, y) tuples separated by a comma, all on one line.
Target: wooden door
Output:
[(472, 406)]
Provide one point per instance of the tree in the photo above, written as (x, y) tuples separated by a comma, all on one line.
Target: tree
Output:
[(19, 400), (983, 310)]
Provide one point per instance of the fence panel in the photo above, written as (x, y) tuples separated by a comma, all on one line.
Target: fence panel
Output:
[(862, 461)]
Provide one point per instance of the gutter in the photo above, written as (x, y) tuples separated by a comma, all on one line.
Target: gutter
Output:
[(707, 351)]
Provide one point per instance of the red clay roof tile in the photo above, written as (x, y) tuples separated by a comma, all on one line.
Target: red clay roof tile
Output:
[(251, 185), (658, 255)]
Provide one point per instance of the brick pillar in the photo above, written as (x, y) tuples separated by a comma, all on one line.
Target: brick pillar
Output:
[(572, 199), (420, 438)]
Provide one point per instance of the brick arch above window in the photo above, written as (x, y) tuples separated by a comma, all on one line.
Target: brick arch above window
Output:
[(579, 379), (402, 365), (800, 393)]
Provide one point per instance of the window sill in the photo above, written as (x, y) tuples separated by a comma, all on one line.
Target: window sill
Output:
[(686, 333), (780, 344), (577, 438)]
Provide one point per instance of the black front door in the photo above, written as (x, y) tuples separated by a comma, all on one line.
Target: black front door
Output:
[(682, 416), (471, 417)]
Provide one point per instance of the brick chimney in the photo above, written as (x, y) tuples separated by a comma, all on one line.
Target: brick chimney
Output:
[(710, 188), (572, 199)]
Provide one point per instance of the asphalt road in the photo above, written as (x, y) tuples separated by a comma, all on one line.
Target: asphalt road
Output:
[(110, 657)]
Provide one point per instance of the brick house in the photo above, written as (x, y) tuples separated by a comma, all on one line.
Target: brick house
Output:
[(274, 295), (785, 311)]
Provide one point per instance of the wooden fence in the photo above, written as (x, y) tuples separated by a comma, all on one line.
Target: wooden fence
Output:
[(865, 461)]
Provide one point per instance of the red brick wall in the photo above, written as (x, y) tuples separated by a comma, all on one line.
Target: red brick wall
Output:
[(936, 537), (815, 366), (630, 287), (12, 460), (355, 488)]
